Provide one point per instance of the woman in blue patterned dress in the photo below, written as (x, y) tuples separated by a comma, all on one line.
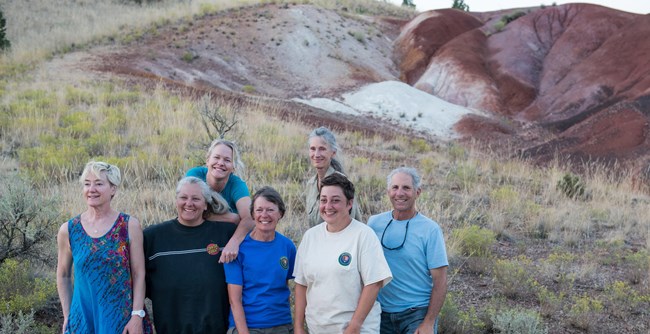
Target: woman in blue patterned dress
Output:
[(105, 248)]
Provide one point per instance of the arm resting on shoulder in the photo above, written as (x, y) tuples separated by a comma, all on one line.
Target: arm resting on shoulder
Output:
[(228, 217), (437, 299), (230, 251), (64, 271), (366, 302)]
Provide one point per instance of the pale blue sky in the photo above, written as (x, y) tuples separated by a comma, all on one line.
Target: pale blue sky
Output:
[(634, 6)]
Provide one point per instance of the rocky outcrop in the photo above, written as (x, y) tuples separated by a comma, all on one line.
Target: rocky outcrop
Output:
[(573, 79)]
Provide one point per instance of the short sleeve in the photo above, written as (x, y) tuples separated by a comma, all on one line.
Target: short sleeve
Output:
[(234, 271), (436, 251), (373, 267)]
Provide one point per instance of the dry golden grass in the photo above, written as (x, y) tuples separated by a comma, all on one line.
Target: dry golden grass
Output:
[(50, 129)]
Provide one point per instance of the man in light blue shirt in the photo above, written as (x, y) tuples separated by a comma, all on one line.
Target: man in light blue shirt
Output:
[(415, 250)]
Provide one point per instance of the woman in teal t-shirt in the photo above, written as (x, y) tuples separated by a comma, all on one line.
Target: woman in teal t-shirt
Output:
[(221, 162)]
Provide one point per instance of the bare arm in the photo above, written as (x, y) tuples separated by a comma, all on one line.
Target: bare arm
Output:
[(366, 301), (63, 272), (299, 308), (234, 295), (228, 217), (437, 299), (136, 251), (230, 251)]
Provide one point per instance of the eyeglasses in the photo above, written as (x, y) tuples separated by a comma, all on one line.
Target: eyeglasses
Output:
[(403, 241)]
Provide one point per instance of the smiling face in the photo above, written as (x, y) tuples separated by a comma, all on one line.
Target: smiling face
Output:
[(334, 207), (220, 162), (190, 204), (266, 215), (97, 191), (320, 153), (402, 193)]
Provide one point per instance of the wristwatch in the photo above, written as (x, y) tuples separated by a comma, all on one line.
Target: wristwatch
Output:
[(139, 313)]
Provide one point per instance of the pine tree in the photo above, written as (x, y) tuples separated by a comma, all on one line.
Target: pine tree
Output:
[(408, 3), (4, 42)]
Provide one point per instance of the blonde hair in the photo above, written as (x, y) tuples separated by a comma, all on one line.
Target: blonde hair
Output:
[(238, 164), (113, 174)]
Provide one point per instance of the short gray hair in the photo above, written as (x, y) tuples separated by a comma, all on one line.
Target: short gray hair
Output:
[(113, 174), (215, 202), (410, 171)]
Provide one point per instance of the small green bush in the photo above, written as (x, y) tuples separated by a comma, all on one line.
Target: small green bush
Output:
[(585, 312), (248, 89), (511, 17), (518, 322), (514, 278), (358, 36), (456, 321), (420, 146), (637, 266), (621, 299), (475, 241), (77, 125), (549, 302), (20, 290), (499, 26), (571, 186)]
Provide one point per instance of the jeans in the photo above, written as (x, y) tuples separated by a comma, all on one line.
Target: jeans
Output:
[(404, 322)]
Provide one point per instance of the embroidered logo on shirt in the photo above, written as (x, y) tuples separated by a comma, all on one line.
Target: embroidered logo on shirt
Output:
[(284, 262), (213, 249), (345, 259)]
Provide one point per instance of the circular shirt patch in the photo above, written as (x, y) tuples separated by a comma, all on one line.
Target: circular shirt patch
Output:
[(345, 259), (284, 262), (213, 249)]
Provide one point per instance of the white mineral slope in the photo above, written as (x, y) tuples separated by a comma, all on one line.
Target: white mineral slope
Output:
[(399, 103)]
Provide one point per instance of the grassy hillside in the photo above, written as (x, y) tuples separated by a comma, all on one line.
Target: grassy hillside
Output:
[(530, 244)]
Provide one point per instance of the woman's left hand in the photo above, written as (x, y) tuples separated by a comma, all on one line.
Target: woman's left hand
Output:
[(134, 326), (351, 329)]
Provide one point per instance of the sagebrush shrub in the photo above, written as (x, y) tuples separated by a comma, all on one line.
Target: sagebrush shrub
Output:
[(518, 322), (21, 323), (28, 219), (514, 277)]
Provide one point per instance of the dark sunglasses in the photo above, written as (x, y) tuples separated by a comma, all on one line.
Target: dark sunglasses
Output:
[(403, 241)]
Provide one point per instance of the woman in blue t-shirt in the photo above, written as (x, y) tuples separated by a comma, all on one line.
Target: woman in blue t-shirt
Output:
[(257, 279), (222, 161)]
